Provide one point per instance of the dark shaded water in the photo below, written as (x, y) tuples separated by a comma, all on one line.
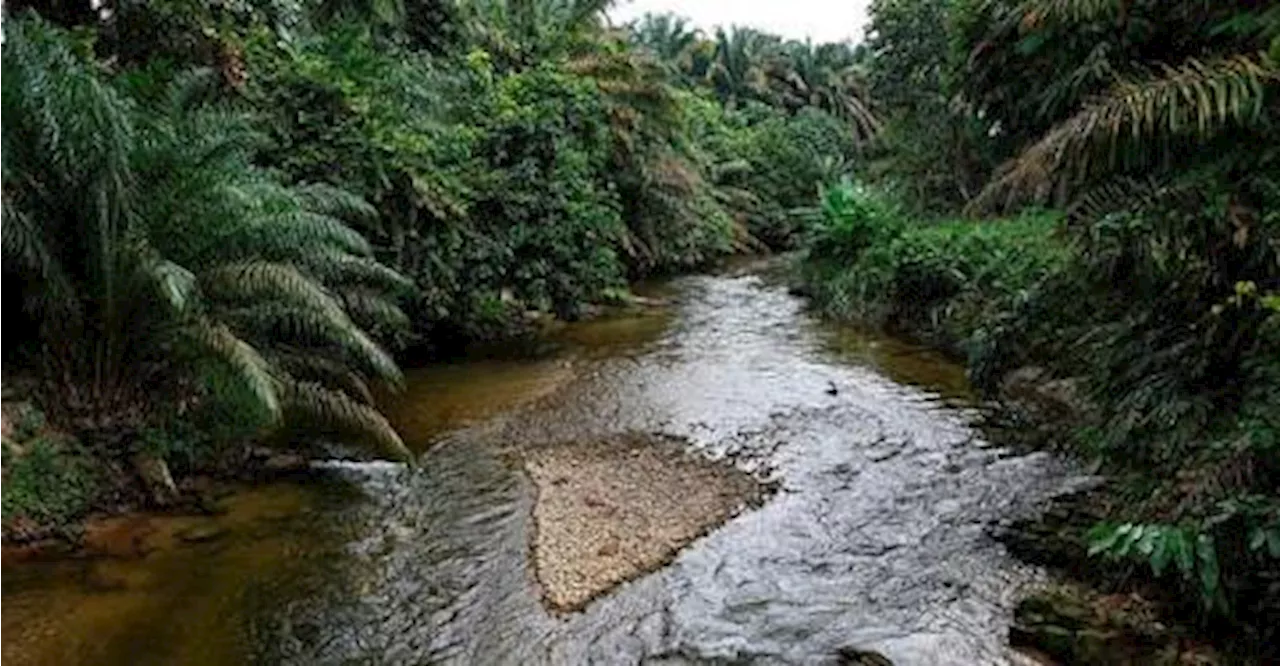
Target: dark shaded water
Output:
[(875, 539)]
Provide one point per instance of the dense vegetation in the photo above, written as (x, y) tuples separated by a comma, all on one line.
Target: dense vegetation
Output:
[(1154, 127), (224, 221)]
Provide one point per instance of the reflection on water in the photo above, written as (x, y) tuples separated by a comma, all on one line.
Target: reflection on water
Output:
[(901, 361), (875, 540), (156, 598)]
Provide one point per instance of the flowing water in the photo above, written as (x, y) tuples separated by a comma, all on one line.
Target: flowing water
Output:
[(875, 538)]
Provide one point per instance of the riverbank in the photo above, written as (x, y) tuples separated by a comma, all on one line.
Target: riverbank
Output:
[(1009, 297), (55, 490)]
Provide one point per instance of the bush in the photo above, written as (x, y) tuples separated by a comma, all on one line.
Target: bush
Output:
[(940, 282), (49, 481)]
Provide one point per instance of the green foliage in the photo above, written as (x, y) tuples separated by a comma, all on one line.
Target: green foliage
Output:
[(768, 166), (851, 219), (214, 211), (48, 482), (1191, 552), (158, 266), (944, 282)]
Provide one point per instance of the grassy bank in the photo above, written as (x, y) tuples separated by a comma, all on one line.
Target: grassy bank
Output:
[(941, 282), (1185, 432)]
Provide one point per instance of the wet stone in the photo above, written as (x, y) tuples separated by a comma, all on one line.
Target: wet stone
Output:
[(201, 533)]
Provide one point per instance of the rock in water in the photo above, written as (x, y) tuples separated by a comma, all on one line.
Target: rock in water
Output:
[(855, 657), (155, 475)]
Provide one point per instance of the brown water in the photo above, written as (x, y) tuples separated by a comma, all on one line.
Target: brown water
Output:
[(875, 540)]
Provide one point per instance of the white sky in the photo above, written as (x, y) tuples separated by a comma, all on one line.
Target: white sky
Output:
[(821, 20)]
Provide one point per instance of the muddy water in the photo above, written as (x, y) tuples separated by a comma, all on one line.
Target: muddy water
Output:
[(874, 540)]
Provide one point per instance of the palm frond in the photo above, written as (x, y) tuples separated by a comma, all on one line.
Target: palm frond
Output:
[(22, 243), (265, 281), (292, 229), (1122, 193), (335, 268), (1035, 11), (306, 365), (371, 310), (240, 357), (1196, 100), (313, 403), (334, 202), (281, 321)]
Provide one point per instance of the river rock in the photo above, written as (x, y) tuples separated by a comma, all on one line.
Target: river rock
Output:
[(1074, 625), (201, 533), (854, 657), (1047, 397), (155, 476)]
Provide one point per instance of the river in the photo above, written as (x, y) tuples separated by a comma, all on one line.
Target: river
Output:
[(875, 538)]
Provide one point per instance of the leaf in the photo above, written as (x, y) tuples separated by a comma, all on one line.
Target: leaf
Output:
[(317, 404), (1257, 538), (1212, 96), (1162, 553), (1102, 537), (177, 284), (1183, 551), (1208, 568), (249, 366), (1129, 539), (1146, 544)]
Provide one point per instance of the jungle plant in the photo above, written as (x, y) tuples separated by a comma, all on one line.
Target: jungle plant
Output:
[(156, 269)]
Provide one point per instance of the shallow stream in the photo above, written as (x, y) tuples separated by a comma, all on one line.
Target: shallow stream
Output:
[(875, 538)]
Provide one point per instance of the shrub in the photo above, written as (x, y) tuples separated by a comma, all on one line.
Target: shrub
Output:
[(943, 282), (49, 481)]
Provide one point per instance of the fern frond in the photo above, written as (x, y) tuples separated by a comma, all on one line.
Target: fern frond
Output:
[(314, 403), (1197, 99)]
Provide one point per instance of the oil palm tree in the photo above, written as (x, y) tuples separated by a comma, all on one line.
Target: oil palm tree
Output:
[(1113, 107), (742, 66), (828, 77), (524, 32), (158, 268), (670, 39)]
